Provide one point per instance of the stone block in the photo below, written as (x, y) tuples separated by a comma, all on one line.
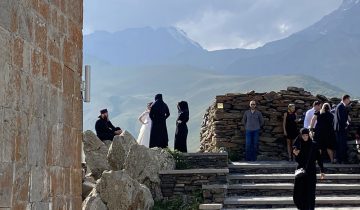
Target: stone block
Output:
[(39, 64), (41, 34), (56, 74), (12, 87), (36, 144), (39, 184), (10, 134), (6, 180), (21, 184)]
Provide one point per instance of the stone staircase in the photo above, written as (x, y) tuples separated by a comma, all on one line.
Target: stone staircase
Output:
[(269, 185)]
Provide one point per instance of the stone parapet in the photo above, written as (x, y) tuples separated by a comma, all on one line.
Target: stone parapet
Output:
[(222, 125)]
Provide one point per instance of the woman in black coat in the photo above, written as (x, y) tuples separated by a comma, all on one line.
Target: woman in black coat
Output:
[(306, 154), (181, 127), (324, 130)]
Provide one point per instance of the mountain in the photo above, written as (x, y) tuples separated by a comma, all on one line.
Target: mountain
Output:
[(139, 46), (328, 50), (126, 91)]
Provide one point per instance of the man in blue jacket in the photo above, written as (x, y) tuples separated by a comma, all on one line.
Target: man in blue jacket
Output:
[(341, 124)]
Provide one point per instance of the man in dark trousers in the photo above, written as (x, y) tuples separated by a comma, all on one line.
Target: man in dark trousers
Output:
[(340, 126), (104, 128), (159, 113)]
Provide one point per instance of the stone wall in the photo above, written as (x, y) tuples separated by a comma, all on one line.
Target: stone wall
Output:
[(222, 125), (186, 182), (40, 104), (205, 160)]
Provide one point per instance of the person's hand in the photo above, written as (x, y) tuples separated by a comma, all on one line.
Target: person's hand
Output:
[(118, 132), (322, 176), (296, 152), (179, 121), (311, 134)]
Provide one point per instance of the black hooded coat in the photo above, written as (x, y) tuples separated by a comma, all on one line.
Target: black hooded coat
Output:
[(181, 127), (158, 114)]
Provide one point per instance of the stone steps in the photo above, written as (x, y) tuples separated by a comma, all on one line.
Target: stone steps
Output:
[(287, 201), (269, 185), (272, 167), (286, 189), (287, 208), (289, 178)]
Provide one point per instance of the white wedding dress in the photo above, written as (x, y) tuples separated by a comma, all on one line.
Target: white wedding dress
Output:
[(144, 135)]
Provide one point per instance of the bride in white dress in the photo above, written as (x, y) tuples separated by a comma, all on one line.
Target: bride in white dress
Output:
[(144, 135)]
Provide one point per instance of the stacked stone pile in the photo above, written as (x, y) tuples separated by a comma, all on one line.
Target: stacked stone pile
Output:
[(222, 125), (123, 174)]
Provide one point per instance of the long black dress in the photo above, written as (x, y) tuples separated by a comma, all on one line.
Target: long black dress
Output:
[(324, 131), (159, 113), (304, 189), (291, 126), (181, 127)]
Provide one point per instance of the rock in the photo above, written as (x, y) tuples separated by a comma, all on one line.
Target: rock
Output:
[(295, 89), (87, 187), (119, 191), (93, 202), (144, 165), (95, 154), (119, 149)]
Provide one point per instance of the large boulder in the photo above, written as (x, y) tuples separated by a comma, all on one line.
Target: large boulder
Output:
[(93, 202), (119, 149), (95, 154), (119, 191), (144, 164)]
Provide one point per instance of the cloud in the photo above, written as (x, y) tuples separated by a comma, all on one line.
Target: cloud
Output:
[(215, 24)]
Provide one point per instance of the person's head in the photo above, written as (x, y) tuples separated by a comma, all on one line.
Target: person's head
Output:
[(104, 114), (149, 105), (325, 108), (304, 132), (158, 97), (317, 105), (182, 106), (253, 105), (291, 108), (346, 99)]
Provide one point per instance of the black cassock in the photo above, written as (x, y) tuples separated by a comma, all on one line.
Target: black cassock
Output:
[(105, 130), (304, 188), (158, 114), (181, 127)]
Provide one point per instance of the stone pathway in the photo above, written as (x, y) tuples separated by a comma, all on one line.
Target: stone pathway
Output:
[(269, 185)]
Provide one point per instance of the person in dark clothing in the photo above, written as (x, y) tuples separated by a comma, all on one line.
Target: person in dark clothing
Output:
[(158, 114), (181, 127), (105, 130), (340, 126), (306, 154), (290, 128), (324, 130)]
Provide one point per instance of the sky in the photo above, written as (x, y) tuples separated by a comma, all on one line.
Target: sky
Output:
[(214, 24)]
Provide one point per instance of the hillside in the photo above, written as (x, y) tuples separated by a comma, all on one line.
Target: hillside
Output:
[(125, 92)]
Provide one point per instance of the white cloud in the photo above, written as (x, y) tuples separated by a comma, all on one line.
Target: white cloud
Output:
[(215, 24)]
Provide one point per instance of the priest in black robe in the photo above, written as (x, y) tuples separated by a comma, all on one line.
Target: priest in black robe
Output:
[(158, 114), (181, 127), (105, 130)]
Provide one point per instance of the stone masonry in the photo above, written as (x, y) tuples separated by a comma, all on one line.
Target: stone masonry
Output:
[(40, 104), (222, 125)]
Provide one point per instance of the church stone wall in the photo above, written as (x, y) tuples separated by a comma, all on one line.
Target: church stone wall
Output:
[(40, 104), (222, 125)]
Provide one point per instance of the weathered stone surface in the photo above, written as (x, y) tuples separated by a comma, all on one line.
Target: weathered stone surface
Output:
[(95, 154), (87, 187), (119, 149), (119, 191), (94, 202), (37, 137), (144, 164)]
